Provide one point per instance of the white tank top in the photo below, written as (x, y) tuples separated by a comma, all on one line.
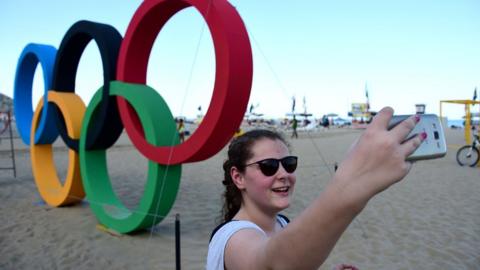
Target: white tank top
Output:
[(216, 248)]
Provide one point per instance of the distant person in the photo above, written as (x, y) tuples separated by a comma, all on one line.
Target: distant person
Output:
[(181, 130), (259, 180), (325, 122), (294, 127)]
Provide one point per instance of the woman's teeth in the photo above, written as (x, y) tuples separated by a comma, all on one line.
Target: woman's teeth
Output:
[(281, 189)]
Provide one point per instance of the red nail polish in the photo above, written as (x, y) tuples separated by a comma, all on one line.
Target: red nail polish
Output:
[(423, 135), (417, 118)]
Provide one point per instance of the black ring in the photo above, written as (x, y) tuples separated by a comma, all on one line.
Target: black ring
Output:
[(107, 126)]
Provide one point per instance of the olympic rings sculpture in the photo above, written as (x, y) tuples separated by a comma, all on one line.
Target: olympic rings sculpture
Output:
[(124, 101)]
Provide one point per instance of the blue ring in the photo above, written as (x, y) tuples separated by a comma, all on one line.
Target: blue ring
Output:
[(31, 56)]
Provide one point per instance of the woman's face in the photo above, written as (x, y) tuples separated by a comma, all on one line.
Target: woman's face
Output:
[(269, 193)]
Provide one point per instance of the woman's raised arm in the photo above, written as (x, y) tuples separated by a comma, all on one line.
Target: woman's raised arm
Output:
[(375, 162)]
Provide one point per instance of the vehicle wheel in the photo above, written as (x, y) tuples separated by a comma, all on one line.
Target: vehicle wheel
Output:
[(467, 156)]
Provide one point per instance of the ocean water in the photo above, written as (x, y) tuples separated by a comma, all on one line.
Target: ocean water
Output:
[(459, 122), (455, 122)]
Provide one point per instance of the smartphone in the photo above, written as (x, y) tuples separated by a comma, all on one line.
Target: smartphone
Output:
[(434, 146)]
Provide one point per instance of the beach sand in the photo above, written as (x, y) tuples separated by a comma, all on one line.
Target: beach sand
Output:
[(430, 220)]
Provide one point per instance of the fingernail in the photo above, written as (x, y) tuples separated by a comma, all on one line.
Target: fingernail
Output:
[(417, 118), (423, 135)]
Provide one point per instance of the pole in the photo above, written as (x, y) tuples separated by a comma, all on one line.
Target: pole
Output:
[(177, 241), (468, 127), (11, 145)]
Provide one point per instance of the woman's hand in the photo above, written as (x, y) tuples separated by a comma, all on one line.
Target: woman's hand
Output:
[(378, 159)]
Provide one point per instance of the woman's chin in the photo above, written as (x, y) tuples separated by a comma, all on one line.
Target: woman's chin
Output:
[(282, 204)]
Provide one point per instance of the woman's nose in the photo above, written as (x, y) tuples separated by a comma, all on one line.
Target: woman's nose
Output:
[(282, 172)]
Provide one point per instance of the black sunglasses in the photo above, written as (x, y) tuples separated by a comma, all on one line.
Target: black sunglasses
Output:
[(270, 166)]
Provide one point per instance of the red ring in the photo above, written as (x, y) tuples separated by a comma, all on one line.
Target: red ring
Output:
[(233, 76)]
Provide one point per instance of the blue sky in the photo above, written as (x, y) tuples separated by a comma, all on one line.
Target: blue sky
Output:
[(407, 52)]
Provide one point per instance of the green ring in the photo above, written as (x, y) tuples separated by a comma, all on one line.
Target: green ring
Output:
[(162, 180)]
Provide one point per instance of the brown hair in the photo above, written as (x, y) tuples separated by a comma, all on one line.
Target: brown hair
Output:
[(239, 151)]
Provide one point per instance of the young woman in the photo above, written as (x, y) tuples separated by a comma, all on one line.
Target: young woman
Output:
[(259, 182)]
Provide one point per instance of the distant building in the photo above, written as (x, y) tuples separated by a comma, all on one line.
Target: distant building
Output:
[(361, 112), (420, 108), (6, 103)]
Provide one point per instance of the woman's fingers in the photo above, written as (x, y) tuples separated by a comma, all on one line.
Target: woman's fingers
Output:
[(381, 120), (402, 130), (345, 267), (411, 145)]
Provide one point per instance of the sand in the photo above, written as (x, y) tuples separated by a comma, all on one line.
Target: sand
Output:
[(430, 220)]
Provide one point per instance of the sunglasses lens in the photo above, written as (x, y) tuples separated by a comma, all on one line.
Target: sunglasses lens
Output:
[(289, 164), (269, 166)]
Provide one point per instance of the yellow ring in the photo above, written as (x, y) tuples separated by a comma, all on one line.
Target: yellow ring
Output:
[(48, 184)]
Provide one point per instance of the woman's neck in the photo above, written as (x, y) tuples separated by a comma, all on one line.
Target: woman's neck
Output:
[(267, 222)]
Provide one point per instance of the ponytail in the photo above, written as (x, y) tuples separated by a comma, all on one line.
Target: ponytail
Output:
[(232, 195)]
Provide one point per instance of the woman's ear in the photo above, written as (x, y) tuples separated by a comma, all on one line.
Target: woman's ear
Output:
[(237, 178)]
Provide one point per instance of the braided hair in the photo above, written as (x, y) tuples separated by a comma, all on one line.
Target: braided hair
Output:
[(239, 151)]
